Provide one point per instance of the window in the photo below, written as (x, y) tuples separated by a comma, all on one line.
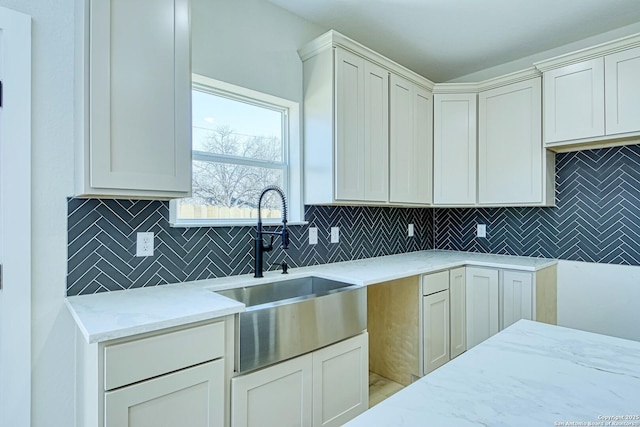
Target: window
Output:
[(242, 141)]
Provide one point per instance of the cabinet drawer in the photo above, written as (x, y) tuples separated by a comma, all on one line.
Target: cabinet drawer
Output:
[(134, 361), (435, 282)]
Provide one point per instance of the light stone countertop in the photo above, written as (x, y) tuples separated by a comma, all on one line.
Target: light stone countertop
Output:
[(530, 374), (110, 315)]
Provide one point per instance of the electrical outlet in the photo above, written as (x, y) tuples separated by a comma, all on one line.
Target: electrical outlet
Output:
[(144, 244), (481, 230), (313, 235), (410, 230), (335, 234)]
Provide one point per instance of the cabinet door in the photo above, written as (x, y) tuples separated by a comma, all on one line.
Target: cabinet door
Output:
[(517, 297), (411, 143), (454, 149), (350, 159), (341, 381), (376, 133), (457, 313), (510, 144), (435, 320), (140, 96), (482, 292), (277, 396), (191, 397), (574, 101), (622, 87)]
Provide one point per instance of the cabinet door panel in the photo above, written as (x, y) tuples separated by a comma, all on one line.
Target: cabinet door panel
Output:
[(457, 315), (350, 161), (482, 303), (623, 91), (517, 297), (376, 133), (510, 144), (192, 397), (436, 330), (411, 143), (341, 381), (277, 396), (454, 149), (574, 101), (140, 113)]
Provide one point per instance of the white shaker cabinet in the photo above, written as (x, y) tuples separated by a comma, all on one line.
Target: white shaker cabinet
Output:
[(482, 304), (327, 387), (516, 297), (454, 148), (410, 143), (512, 162), (435, 320), (192, 397), (339, 82), (361, 123), (280, 395), (134, 99), (622, 91), (457, 312), (341, 382), (574, 101)]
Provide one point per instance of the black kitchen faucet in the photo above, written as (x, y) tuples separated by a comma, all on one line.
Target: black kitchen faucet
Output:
[(260, 247)]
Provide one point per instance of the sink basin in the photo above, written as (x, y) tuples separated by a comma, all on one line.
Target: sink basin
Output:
[(288, 318), (285, 292)]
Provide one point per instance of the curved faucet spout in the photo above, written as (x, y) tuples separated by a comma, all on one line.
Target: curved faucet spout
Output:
[(259, 245)]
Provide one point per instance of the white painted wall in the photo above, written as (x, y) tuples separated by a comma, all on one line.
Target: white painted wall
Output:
[(527, 62), (250, 43), (602, 298), (52, 173)]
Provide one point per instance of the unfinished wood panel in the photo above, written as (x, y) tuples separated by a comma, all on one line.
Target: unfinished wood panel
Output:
[(393, 319), (547, 295)]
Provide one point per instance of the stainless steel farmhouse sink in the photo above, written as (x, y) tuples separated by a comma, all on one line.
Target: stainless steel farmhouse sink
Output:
[(288, 318)]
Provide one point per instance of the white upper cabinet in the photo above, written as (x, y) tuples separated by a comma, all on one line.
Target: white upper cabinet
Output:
[(349, 109), (622, 91), (411, 144), (574, 101), (362, 128), (136, 136), (510, 152), (592, 96), (454, 148)]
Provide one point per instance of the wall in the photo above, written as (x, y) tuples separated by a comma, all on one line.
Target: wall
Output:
[(102, 243), (52, 178), (528, 61)]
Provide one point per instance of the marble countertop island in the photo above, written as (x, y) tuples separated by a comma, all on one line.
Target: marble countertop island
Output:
[(530, 374), (110, 315)]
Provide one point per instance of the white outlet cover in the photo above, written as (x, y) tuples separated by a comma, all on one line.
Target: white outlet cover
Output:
[(335, 234), (144, 244), (313, 235), (410, 230), (482, 230)]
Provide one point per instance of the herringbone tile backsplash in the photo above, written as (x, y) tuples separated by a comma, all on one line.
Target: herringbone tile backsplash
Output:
[(102, 234), (596, 218)]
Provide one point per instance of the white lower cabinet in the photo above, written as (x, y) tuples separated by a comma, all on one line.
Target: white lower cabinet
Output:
[(192, 397), (457, 312), (516, 295), (341, 382), (325, 388), (436, 330), (279, 395), (482, 301)]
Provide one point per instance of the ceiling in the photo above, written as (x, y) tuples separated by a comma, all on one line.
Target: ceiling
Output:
[(446, 39)]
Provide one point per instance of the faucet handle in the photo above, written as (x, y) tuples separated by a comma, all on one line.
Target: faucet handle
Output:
[(284, 267)]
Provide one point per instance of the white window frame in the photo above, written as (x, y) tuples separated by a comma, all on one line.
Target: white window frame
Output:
[(292, 153)]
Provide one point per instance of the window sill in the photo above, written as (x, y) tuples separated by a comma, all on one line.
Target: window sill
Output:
[(190, 223)]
